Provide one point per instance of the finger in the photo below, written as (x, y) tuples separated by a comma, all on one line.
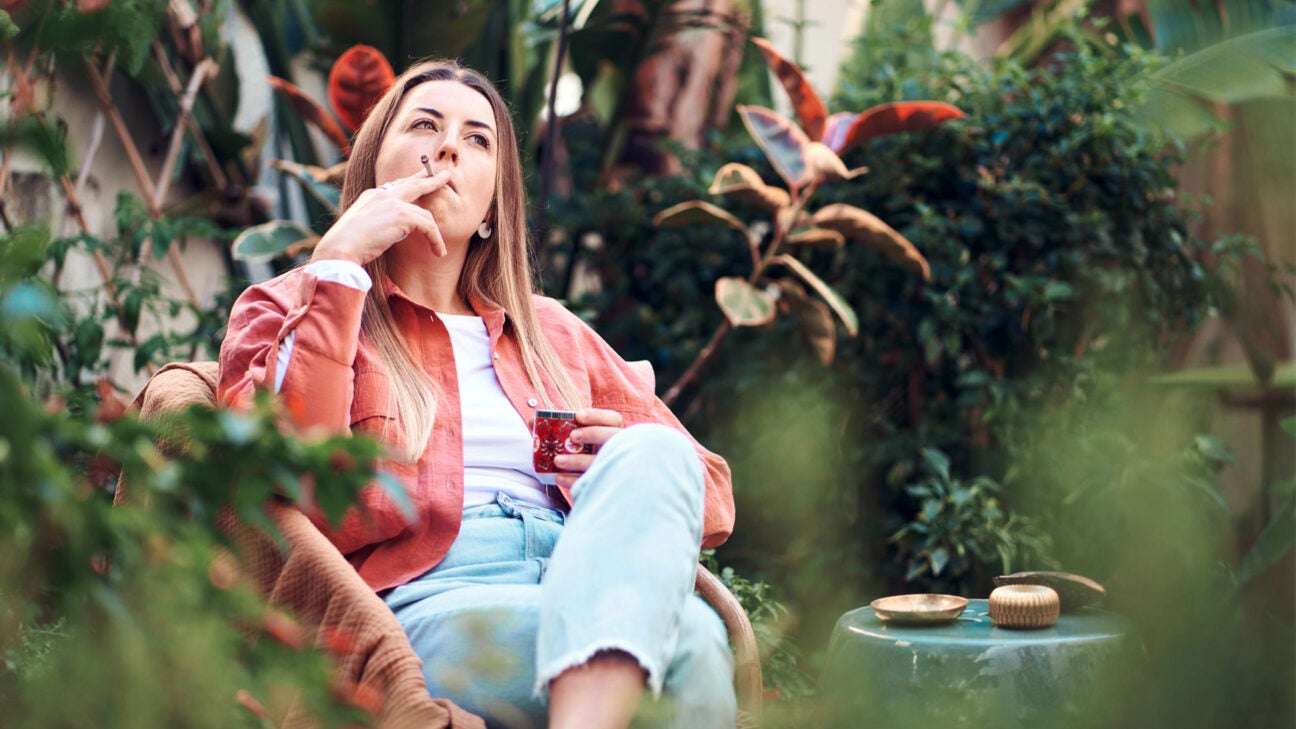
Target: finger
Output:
[(566, 480), (416, 218), (419, 184), (574, 462), (595, 435), (599, 416)]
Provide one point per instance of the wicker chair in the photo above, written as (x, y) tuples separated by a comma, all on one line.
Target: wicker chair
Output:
[(314, 581)]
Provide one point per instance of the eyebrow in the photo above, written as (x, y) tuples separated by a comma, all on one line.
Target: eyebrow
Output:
[(469, 122)]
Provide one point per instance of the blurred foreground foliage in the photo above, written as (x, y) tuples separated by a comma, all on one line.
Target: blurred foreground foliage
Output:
[(995, 419), (138, 616)]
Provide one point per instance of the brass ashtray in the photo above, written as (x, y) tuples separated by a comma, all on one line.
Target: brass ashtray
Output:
[(919, 609)]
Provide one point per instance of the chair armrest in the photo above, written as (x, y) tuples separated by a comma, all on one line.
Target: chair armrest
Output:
[(747, 669), (312, 579)]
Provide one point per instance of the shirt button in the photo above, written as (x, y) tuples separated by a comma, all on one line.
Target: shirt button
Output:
[(532, 401)]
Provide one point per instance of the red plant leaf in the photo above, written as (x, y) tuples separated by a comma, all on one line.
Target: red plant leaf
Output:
[(358, 78), (835, 129), (809, 108), (865, 227), (820, 238), (815, 318), (897, 117), (784, 143), (746, 184), (835, 300), (698, 212), (823, 165), (313, 112), (111, 406)]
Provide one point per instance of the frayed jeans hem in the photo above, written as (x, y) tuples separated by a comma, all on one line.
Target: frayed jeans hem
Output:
[(555, 668)]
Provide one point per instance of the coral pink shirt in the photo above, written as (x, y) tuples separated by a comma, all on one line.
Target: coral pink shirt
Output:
[(336, 381)]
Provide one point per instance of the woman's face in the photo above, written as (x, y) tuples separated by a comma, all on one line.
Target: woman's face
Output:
[(454, 126)]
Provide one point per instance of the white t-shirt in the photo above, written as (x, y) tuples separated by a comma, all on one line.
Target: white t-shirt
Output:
[(496, 441), (497, 444)]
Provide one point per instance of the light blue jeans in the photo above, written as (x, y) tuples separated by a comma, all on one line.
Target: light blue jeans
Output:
[(527, 592)]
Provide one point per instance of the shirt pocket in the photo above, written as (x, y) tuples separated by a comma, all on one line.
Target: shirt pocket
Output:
[(373, 411)]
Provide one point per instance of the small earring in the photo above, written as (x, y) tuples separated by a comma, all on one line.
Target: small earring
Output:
[(484, 231)]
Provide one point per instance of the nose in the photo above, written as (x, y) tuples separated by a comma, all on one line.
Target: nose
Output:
[(448, 152)]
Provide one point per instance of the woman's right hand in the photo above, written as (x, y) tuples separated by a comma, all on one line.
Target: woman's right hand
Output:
[(380, 217)]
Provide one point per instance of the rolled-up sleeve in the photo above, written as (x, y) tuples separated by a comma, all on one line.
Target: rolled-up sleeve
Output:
[(324, 320)]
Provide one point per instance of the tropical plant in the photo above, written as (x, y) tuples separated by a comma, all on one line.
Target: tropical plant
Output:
[(805, 156), (961, 529), (358, 77)]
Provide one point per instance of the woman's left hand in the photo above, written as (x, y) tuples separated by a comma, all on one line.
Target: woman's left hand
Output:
[(596, 427)]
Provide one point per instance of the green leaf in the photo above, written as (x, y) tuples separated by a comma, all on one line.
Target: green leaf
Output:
[(744, 305), (45, 137), (8, 28), (23, 252), (1214, 450), (782, 141), (839, 306), (939, 558), (1276, 540), (916, 569), (269, 240), (1251, 66), (937, 461), (931, 509)]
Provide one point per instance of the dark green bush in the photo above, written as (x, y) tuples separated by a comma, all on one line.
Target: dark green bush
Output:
[(1063, 269)]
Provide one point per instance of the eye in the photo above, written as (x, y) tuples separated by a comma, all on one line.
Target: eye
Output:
[(480, 139), (423, 123)]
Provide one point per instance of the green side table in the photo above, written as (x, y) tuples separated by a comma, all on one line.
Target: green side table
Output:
[(968, 673)]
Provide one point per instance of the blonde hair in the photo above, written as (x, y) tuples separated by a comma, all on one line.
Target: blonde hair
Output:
[(496, 271)]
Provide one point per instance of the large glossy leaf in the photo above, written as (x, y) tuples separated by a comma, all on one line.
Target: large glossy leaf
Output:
[(839, 306), (744, 305), (897, 117), (270, 240), (836, 127), (324, 184), (1178, 27), (783, 142), (815, 318), (697, 212), (809, 108), (867, 228), (357, 79), (821, 238), (746, 184), (313, 112), (823, 165), (1252, 66)]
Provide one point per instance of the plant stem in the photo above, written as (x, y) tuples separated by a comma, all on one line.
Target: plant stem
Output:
[(798, 204), (701, 359)]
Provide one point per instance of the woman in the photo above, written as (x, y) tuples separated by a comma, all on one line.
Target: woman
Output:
[(415, 322)]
